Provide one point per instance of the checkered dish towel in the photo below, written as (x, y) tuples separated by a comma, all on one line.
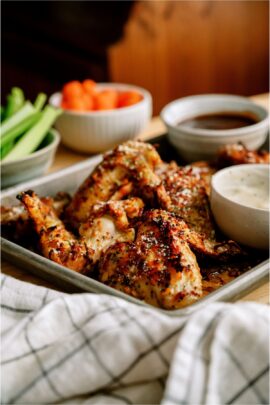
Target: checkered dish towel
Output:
[(97, 349)]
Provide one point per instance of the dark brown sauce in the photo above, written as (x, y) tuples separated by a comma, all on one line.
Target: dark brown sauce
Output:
[(220, 120)]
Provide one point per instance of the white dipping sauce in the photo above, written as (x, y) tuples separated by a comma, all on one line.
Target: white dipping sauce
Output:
[(248, 188)]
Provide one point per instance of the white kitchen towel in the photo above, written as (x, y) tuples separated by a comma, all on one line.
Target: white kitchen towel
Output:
[(96, 349)]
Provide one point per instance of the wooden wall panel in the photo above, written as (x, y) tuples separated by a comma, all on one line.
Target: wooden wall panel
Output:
[(178, 48)]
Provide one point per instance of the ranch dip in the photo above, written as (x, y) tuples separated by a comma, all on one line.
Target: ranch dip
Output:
[(250, 188)]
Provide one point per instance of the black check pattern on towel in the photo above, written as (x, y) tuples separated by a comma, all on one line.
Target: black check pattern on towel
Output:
[(34, 352), (61, 348), (250, 382), (19, 310)]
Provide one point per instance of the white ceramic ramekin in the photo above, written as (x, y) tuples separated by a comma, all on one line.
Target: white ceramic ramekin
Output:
[(97, 131), (241, 222), (34, 165), (196, 144)]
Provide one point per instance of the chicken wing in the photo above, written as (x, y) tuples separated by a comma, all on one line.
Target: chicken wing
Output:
[(158, 267), (128, 169), (237, 154), (187, 190), (56, 242)]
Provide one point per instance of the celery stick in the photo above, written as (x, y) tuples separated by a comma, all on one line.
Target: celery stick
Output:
[(15, 101), (20, 128), (16, 118), (40, 101), (6, 149), (32, 138)]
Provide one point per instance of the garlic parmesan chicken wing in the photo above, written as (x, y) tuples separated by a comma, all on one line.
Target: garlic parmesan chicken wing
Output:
[(237, 154), (109, 224), (56, 242), (158, 267), (128, 169), (187, 190)]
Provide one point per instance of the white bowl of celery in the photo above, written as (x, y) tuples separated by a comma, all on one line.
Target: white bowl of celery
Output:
[(28, 142)]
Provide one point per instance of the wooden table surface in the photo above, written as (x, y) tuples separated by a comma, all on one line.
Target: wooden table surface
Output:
[(65, 157)]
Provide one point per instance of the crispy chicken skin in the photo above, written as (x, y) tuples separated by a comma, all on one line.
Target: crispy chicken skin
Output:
[(129, 168), (56, 242), (158, 267), (205, 171), (189, 200), (237, 154)]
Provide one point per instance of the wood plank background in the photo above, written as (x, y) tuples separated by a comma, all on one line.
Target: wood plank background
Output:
[(178, 48)]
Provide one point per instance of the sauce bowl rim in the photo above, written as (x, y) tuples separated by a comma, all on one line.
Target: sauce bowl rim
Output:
[(215, 132)]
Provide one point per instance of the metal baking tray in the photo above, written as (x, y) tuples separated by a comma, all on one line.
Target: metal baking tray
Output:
[(69, 180)]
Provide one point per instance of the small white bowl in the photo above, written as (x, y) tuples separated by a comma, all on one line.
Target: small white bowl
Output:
[(241, 221), (196, 144), (97, 131), (34, 165)]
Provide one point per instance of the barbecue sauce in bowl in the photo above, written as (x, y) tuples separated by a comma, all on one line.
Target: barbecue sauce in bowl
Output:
[(220, 121)]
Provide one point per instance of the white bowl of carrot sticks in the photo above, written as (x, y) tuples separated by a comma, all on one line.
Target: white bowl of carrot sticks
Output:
[(28, 142), (96, 117)]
